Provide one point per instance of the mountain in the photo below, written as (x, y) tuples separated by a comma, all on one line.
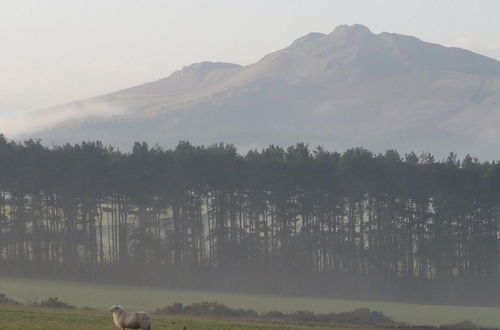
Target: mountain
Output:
[(343, 89)]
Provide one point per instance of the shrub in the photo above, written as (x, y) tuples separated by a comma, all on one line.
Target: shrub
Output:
[(461, 325), (358, 316), (4, 300), (274, 315), (302, 316), (251, 313), (362, 316), (207, 309), (54, 302), (174, 309)]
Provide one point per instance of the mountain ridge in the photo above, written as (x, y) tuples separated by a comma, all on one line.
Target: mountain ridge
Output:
[(343, 89)]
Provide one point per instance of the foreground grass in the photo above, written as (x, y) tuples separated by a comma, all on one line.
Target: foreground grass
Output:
[(102, 296), (30, 318)]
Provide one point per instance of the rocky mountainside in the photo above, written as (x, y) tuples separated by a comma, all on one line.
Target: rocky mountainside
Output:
[(347, 88)]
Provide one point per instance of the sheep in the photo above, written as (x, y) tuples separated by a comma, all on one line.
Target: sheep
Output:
[(130, 320)]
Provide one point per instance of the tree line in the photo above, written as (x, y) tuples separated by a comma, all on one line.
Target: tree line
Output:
[(302, 221)]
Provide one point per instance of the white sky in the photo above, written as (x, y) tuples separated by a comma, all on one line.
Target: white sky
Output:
[(57, 51)]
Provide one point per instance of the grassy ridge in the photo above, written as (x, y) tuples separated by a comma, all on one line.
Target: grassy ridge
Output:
[(30, 318), (102, 296)]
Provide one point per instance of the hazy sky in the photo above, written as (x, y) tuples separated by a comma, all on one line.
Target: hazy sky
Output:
[(58, 51)]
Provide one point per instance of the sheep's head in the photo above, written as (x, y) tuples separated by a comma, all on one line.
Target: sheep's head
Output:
[(116, 308)]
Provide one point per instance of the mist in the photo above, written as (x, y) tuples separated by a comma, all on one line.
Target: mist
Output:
[(318, 155), (52, 54), (29, 123)]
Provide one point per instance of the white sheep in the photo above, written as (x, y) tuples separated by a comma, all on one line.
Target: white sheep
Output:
[(130, 320)]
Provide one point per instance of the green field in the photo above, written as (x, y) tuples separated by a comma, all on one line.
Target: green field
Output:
[(29, 318), (102, 296)]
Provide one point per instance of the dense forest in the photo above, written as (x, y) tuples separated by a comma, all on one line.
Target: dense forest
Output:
[(296, 221)]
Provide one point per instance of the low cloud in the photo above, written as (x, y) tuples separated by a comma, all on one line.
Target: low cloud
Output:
[(15, 125)]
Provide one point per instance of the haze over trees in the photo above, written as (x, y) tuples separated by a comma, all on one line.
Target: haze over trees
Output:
[(297, 220)]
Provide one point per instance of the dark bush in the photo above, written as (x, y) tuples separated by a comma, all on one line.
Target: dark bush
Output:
[(207, 309), (274, 315), (362, 316), (4, 300), (54, 302), (358, 316), (251, 313), (461, 325), (174, 309), (302, 316)]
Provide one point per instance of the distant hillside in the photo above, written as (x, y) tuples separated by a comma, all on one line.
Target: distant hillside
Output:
[(347, 88)]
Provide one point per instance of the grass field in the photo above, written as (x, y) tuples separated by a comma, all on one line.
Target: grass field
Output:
[(29, 318), (102, 296)]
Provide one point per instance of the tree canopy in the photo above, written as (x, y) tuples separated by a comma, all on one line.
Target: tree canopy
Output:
[(298, 220)]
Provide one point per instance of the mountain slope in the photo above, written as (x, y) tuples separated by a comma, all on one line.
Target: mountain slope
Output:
[(347, 88)]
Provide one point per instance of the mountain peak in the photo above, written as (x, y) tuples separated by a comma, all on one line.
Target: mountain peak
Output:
[(307, 38), (358, 30), (350, 86)]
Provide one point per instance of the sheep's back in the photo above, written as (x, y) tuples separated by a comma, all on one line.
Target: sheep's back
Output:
[(134, 320)]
